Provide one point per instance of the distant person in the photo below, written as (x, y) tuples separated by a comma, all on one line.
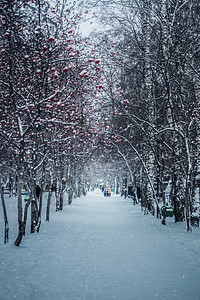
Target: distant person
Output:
[(109, 191), (26, 198)]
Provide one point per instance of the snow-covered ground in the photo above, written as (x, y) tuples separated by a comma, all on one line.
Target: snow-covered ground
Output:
[(100, 248)]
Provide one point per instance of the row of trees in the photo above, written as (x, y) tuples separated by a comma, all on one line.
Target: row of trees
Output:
[(50, 81), (132, 90), (151, 63)]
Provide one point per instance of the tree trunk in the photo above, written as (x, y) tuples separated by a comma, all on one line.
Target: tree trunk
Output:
[(116, 185), (48, 204), (6, 231), (150, 102), (25, 215), (61, 200), (196, 181), (162, 191), (178, 183), (20, 222), (56, 195), (40, 209), (34, 207)]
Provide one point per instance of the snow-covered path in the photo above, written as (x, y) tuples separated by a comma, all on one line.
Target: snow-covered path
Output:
[(103, 248)]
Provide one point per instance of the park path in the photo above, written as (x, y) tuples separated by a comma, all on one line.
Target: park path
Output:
[(103, 248)]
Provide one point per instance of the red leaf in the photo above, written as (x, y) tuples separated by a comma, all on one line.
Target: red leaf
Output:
[(65, 70), (51, 39)]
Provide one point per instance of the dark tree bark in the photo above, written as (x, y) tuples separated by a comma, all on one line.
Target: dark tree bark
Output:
[(6, 231)]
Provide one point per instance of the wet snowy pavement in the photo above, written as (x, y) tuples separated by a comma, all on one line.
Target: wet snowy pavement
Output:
[(102, 248)]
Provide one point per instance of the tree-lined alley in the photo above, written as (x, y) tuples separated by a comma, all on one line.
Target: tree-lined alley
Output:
[(126, 98), (101, 248)]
